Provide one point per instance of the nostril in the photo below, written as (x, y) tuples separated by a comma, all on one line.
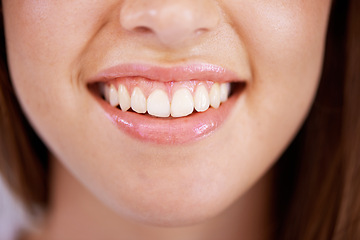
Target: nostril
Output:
[(143, 29)]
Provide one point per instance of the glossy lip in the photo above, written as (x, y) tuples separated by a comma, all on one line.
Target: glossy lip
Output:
[(201, 72), (167, 130)]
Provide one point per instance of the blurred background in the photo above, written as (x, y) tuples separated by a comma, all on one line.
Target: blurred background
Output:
[(12, 215)]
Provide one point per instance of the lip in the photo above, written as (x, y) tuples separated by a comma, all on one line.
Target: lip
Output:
[(167, 130), (201, 72)]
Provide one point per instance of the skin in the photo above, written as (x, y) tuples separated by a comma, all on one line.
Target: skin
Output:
[(105, 184)]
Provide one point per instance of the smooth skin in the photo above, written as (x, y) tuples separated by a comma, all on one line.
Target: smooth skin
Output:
[(107, 185)]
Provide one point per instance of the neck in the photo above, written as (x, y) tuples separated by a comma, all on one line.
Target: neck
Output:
[(74, 213)]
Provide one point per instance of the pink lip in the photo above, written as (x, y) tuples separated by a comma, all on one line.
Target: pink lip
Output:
[(201, 72), (168, 130)]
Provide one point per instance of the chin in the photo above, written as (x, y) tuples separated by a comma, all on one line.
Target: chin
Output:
[(164, 213), (171, 203)]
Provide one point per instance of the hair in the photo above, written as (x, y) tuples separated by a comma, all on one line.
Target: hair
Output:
[(318, 183), (318, 175)]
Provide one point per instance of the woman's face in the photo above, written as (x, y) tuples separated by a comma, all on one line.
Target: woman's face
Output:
[(170, 56)]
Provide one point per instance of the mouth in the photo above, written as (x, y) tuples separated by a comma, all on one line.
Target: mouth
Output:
[(167, 105)]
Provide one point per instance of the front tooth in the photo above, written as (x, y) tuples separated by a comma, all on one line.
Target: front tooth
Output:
[(215, 95), (201, 99), (138, 101), (158, 104), (182, 103), (124, 98), (113, 96), (224, 91)]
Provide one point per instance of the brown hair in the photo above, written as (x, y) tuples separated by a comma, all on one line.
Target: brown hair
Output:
[(318, 178), (318, 184)]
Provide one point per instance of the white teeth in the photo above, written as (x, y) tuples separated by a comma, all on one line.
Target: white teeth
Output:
[(201, 99), (124, 98), (113, 96), (138, 101), (182, 103), (158, 104), (224, 91), (215, 95)]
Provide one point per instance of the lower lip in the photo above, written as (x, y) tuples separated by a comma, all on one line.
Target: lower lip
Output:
[(169, 130)]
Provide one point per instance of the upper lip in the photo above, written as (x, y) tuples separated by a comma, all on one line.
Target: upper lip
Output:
[(199, 72)]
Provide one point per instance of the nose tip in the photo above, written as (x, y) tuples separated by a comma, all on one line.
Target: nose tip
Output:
[(172, 21)]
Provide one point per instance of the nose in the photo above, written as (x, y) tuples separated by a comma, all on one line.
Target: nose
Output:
[(173, 22)]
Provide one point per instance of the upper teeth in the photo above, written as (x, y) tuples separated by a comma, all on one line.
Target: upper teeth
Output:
[(182, 103), (157, 103)]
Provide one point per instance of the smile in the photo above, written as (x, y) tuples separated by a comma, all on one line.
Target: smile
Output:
[(167, 105), (185, 96)]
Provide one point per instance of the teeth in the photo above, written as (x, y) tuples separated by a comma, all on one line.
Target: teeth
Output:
[(215, 95), (158, 104), (124, 98), (107, 93), (113, 96), (224, 91), (201, 99), (138, 101), (182, 103)]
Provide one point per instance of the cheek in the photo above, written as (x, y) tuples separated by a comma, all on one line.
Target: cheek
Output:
[(282, 38), (285, 44), (51, 33), (44, 40)]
